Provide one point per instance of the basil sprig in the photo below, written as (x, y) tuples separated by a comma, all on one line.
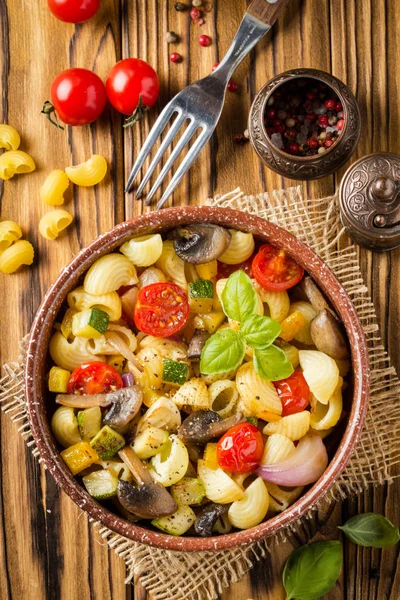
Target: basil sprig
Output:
[(371, 530), (311, 571), (225, 350)]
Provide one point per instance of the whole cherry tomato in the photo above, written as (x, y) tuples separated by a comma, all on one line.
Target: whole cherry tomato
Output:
[(225, 270), (240, 449), (73, 11), (78, 96), (275, 270), (293, 392), (94, 378), (132, 87), (161, 309)]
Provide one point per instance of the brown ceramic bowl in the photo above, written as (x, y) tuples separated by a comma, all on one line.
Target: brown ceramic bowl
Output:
[(305, 167), (41, 405)]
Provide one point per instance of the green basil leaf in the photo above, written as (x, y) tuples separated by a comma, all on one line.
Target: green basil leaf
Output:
[(311, 571), (371, 530), (259, 331), (272, 364), (238, 297), (223, 352)]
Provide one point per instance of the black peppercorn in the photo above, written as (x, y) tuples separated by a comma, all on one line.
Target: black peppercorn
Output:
[(179, 6)]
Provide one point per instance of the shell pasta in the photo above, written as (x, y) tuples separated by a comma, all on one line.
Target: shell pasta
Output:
[(52, 223), (10, 232), (186, 391)]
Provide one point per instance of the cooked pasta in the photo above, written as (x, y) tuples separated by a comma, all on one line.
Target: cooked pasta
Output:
[(250, 510), (10, 232), (9, 137), (15, 162), (170, 465), (292, 353), (280, 499), (325, 416), (309, 312), (219, 486), (110, 303), (321, 373), (293, 426), (277, 448), (70, 354), (108, 274), (18, 254), (143, 251), (88, 173), (278, 303), (173, 266), (164, 347), (193, 393), (65, 426), (52, 223), (149, 276), (240, 248), (257, 395), (163, 414), (223, 397), (54, 187)]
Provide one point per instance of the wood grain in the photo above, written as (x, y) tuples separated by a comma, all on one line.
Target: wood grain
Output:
[(47, 550)]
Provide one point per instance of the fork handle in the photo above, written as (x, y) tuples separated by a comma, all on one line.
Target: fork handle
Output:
[(267, 10)]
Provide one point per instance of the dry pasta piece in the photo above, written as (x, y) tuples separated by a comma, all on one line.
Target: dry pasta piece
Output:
[(173, 266), (218, 485), (321, 373), (20, 253), (277, 448), (292, 325), (293, 426), (10, 232), (15, 162), (143, 251), (52, 223), (108, 274), (325, 416), (309, 313), (88, 173), (110, 303), (9, 137), (250, 510), (240, 248), (192, 393), (52, 190), (257, 394)]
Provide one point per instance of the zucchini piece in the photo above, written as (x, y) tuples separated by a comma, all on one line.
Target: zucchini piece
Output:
[(89, 422), (58, 380), (150, 442), (78, 457), (175, 372), (201, 296), (188, 491), (66, 325), (107, 442), (90, 323), (101, 484), (178, 523), (116, 361), (118, 468)]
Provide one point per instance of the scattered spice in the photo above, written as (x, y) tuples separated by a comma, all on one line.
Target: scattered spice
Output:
[(171, 37), (195, 14), (233, 86), (180, 6), (205, 40), (197, 3), (240, 138), (175, 57), (215, 66)]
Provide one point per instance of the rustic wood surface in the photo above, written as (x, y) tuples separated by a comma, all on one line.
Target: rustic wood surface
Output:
[(47, 550)]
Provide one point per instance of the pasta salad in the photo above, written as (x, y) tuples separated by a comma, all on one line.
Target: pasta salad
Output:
[(197, 375)]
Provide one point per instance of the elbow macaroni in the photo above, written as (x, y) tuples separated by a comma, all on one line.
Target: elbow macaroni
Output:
[(293, 426), (277, 448), (218, 485), (321, 373), (325, 416), (110, 303), (10, 232), (15, 162), (250, 510), (256, 394), (54, 187), (52, 223), (108, 274), (88, 173), (173, 266), (20, 253), (240, 248), (143, 251), (309, 313), (9, 137), (71, 354), (223, 397)]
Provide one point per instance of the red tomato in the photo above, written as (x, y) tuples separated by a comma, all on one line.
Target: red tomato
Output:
[(161, 309), (132, 87), (293, 392), (240, 449), (275, 270), (225, 270), (78, 96), (94, 378), (73, 11)]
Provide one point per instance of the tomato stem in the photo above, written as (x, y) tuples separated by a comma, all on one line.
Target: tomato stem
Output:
[(48, 110), (137, 114)]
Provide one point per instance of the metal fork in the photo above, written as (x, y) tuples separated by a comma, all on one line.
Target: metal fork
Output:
[(201, 104)]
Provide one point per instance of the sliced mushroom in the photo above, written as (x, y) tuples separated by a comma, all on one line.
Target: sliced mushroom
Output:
[(207, 518), (125, 404), (204, 425), (328, 336), (197, 344), (149, 500), (314, 295), (198, 244)]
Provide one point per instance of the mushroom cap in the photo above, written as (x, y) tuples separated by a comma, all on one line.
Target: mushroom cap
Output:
[(207, 518), (197, 344), (198, 244), (125, 404), (146, 501), (328, 336), (196, 427)]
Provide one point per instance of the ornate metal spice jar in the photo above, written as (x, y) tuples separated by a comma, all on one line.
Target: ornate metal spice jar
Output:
[(369, 200), (317, 165)]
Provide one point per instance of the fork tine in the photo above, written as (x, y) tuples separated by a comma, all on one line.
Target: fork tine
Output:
[(154, 134), (185, 165), (176, 125), (183, 141)]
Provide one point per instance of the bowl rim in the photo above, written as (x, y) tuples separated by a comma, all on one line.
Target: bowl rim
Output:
[(159, 222)]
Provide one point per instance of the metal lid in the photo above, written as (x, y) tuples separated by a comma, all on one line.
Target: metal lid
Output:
[(369, 198)]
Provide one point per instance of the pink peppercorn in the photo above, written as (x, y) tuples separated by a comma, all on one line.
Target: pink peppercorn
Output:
[(340, 124), (323, 121), (328, 143), (175, 57), (271, 112), (215, 66), (195, 14), (312, 143), (277, 122), (200, 21), (330, 104), (291, 134), (294, 148), (240, 138), (311, 116), (311, 95), (233, 86), (204, 40), (338, 107)]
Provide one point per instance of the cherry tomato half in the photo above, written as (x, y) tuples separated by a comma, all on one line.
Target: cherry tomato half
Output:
[(293, 392), (78, 96), (132, 87), (275, 270), (94, 378), (225, 270), (240, 449), (161, 309), (73, 11)]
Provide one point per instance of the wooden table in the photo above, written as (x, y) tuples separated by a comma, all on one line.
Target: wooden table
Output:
[(47, 550)]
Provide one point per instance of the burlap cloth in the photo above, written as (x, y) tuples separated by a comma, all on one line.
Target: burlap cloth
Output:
[(197, 576)]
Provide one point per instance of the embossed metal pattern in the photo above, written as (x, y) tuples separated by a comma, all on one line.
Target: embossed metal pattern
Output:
[(370, 201), (305, 167)]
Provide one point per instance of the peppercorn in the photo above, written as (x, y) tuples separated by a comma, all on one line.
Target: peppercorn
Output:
[(340, 124), (197, 3), (240, 138), (215, 66), (175, 57), (205, 40), (195, 14), (180, 7), (233, 86), (171, 37)]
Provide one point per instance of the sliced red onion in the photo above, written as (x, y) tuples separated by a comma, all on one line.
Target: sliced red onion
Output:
[(305, 465), (116, 342), (83, 401), (128, 379)]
